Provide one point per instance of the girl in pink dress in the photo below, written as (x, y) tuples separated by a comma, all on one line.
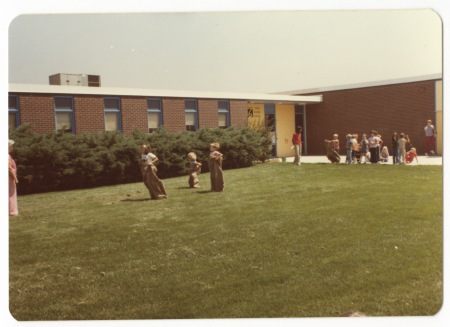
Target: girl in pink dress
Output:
[(13, 210)]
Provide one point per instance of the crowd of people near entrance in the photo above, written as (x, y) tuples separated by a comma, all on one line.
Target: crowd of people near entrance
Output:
[(375, 150)]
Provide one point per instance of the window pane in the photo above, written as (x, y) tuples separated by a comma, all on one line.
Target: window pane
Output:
[(111, 103), (270, 120), (154, 104), (111, 121), (12, 102), (190, 119), (190, 104), (153, 120), (64, 121), (223, 105), (12, 120), (63, 103), (222, 120)]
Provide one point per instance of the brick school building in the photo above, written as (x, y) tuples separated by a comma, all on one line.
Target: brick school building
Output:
[(401, 106)]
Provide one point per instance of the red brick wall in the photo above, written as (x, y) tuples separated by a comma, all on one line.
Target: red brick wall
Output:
[(89, 114), (37, 110), (134, 114), (238, 113), (173, 115), (387, 109), (208, 113)]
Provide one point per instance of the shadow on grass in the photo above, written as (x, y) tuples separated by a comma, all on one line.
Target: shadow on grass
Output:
[(208, 191), (205, 192), (135, 200)]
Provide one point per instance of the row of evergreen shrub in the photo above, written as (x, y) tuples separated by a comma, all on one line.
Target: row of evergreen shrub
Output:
[(62, 161)]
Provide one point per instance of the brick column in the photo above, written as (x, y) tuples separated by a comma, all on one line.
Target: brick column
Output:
[(238, 113), (134, 114), (208, 113), (173, 115), (38, 111), (89, 114)]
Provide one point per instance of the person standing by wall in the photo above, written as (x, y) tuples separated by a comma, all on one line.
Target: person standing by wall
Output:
[(355, 148), (395, 148), (348, 148), (12, 169), (430, 136), (297, 143), (374, 143), (364, 146), (402, 141)]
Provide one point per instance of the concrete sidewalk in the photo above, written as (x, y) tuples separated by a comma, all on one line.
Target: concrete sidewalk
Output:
[(423, 160)]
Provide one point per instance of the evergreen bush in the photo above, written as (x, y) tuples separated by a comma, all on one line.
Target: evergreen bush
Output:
[(62, 161)]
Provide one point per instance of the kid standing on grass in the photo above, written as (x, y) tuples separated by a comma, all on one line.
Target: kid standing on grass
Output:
[(215, 167), (349, 147), (395, 148), (297, 144), (364, 148), (194, 170), (402, 140), (374, 142), (355, 147)]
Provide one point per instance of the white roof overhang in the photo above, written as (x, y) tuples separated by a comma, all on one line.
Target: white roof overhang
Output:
[(107, 91)]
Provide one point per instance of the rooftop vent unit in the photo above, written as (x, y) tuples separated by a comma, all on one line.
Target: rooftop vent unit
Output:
[(75, 80)]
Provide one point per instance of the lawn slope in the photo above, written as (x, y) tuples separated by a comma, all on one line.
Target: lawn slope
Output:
[(281, 241)]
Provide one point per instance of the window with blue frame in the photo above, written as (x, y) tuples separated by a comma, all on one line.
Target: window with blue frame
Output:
[(113, 120), (154, 114), (224, 114), (191, 115), (64, 118), (269, 119), (13, 111)]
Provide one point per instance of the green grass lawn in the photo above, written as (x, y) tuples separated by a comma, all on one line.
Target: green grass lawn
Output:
[(281, 241)]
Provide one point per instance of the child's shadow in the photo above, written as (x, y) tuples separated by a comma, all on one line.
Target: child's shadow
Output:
[(204, 192), (184, 188), (135, 200)]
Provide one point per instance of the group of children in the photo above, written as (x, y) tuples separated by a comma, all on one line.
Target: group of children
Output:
[(156, 187), (215, 167), (371, 149)]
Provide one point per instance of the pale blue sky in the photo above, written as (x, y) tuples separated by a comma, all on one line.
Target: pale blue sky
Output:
[(228, 51)]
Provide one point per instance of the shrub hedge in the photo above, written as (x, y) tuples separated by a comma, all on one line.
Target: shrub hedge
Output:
[(61, 161)]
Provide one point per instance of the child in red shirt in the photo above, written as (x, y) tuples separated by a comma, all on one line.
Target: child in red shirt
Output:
[(410, 155), (297, 145)]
